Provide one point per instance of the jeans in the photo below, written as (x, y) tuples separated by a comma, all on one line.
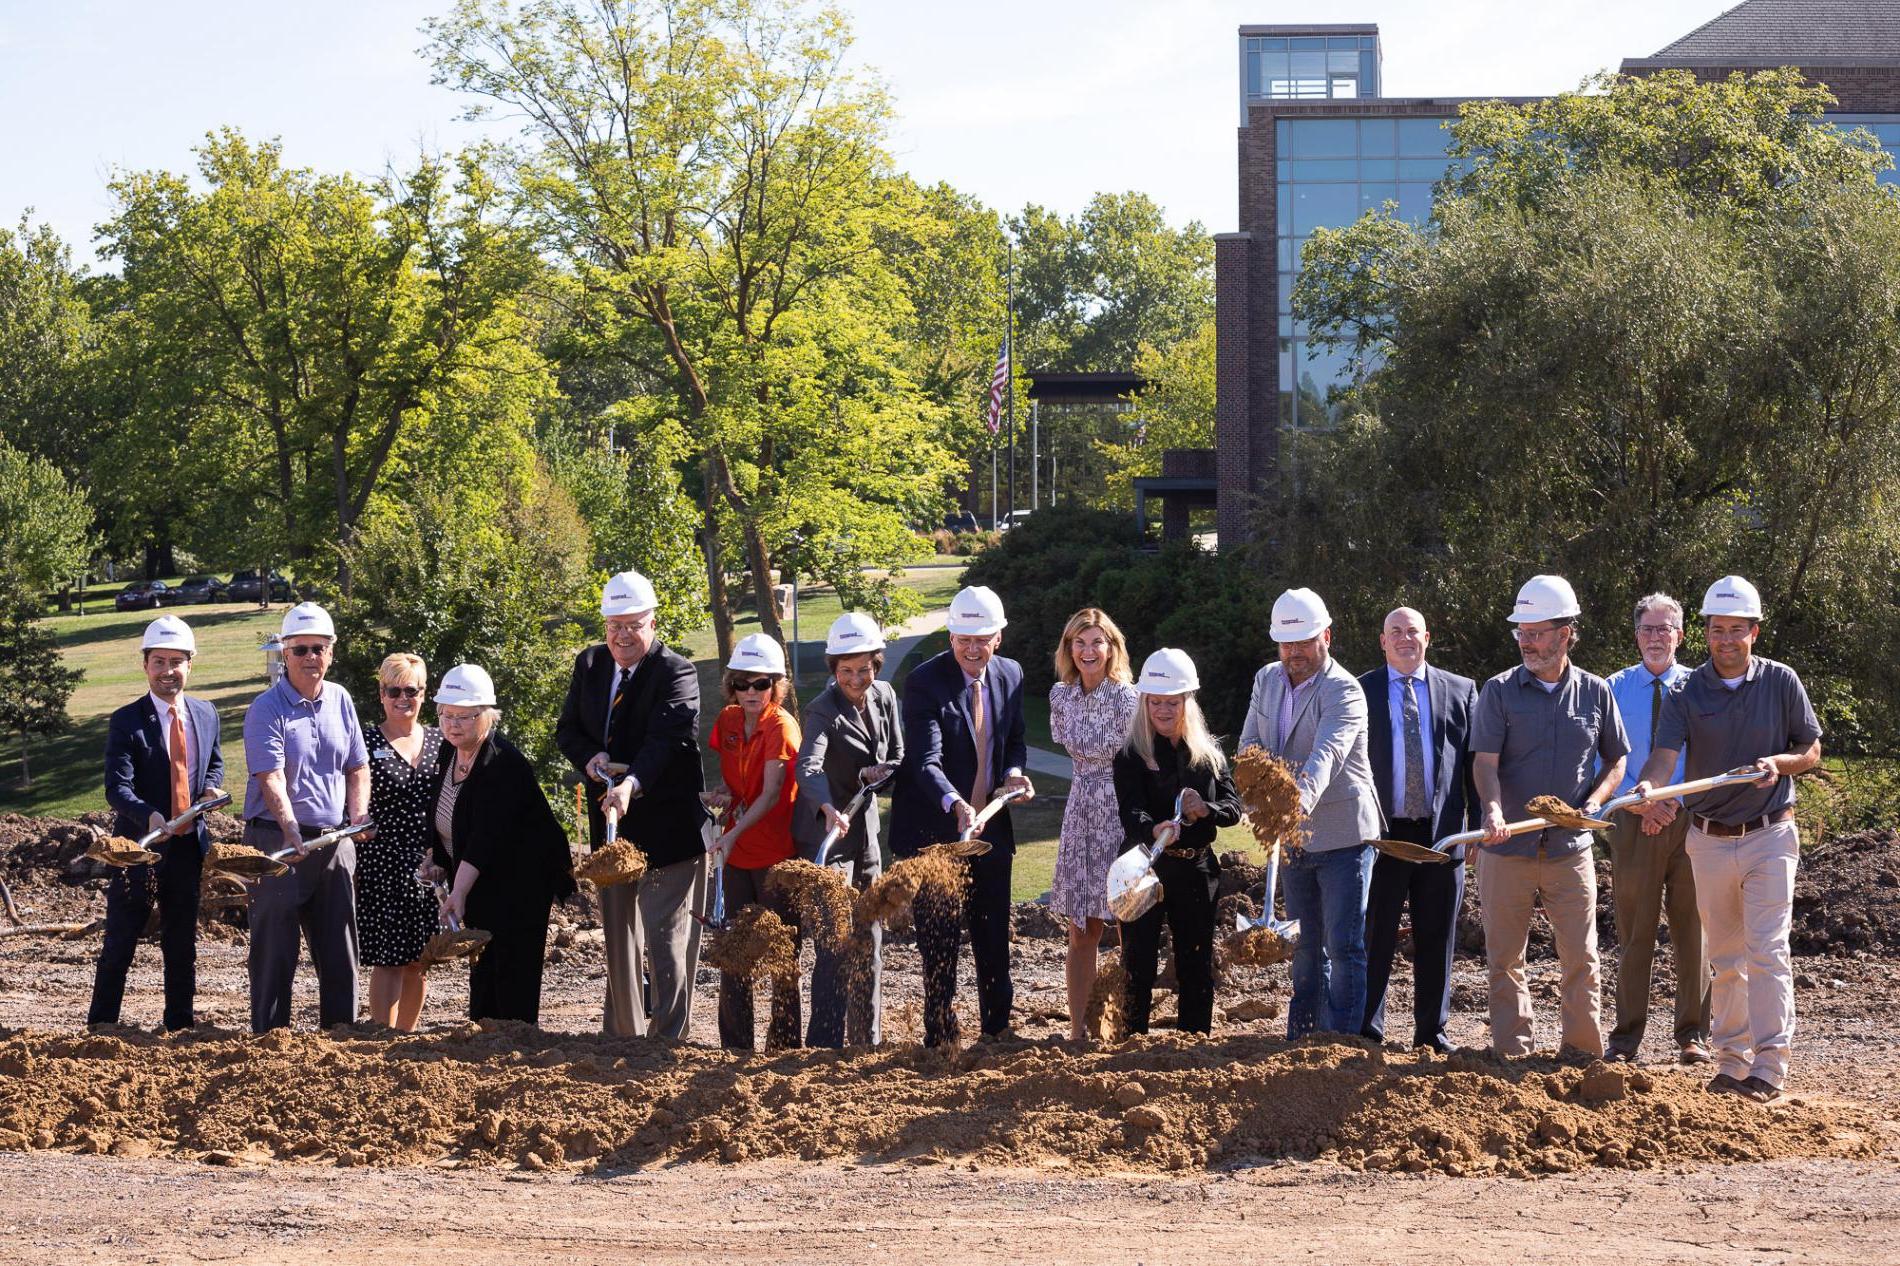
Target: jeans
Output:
[(1326, 892)]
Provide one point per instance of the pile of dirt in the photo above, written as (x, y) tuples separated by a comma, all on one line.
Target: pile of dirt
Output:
[(1255, 947), (53, 850), (1271, 795), (508, 1095), (1847, 895)]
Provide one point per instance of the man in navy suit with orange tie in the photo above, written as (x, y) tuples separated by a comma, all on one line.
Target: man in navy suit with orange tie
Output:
[(162, 756), (963, 743)]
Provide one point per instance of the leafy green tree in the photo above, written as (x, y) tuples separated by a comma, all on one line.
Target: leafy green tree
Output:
[(35, 684), (1175, 409), (47, 340), (45, 523), (1647, 340), (298, 331), (713, 180)]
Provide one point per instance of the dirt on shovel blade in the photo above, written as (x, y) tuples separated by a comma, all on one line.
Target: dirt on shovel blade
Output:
[(241, 859), (116, 850), (1272, 798), (1558, 812), (1255, 947), (819, 897), (619, 863), (755, 943), (890, 898)]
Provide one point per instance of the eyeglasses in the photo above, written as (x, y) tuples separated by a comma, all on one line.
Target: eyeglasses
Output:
[(1654, 630), (401, 692), (757, 683), (1537, 635), (301, 651)]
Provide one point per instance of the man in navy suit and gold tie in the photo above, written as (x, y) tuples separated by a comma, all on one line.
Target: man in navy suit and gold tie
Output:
[(162, 757), (1421, 763), (963, 744)]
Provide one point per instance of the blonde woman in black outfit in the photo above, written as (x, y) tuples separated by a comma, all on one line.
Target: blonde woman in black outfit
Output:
[(1170, 753)]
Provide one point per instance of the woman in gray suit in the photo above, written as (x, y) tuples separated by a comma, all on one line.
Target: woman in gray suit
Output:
[(853, 737)]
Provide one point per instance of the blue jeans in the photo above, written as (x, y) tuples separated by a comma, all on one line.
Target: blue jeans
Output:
[(1326, 892)]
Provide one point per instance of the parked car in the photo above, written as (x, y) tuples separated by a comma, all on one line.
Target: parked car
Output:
[(245, 587), (199, 590), (961, 521), (145, 595)]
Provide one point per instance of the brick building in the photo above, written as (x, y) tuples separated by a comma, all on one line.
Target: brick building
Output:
[(1319, 145)]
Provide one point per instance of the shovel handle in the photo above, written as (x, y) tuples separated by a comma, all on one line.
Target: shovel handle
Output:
[(990, 810), (611, 832), (1477, 837), (186, 818), (1745, 773)]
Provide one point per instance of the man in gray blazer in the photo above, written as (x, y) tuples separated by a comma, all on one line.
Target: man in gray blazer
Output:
[(853, 737), (1311, 713)]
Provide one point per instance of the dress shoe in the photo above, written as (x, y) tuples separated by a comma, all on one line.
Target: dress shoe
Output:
[(1760, 1090), (1723, 1084), (1694, 1053)]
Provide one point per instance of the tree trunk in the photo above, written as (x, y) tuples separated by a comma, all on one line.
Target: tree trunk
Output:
[(26, 770), (761, 564), (716, 588)]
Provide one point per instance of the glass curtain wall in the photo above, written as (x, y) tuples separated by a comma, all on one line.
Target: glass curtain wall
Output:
[(1330, 172), (1311, 67)]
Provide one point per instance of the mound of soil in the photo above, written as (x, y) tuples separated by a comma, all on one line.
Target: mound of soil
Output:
[(1847, 895), (53, 850), (512, 1096)]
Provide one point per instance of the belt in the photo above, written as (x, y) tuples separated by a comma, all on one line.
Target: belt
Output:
[(1728, 831)]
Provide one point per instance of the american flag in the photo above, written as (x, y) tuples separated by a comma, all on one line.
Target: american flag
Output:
[(998, 381)]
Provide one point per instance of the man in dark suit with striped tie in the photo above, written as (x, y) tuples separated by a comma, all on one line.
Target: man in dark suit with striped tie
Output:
[(1418, 742), (162, 756)]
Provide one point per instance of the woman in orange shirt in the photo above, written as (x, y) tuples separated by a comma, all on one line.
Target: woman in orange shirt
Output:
[(757, 739)]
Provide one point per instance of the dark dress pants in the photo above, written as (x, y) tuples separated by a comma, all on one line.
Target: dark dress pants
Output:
[(316, 898), (1188, 886), (847, 982), (505, 982), (745, 887), (172, 882), (1435, 890), (940, 921)]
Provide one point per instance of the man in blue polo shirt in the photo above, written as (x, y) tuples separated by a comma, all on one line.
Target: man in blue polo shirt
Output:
[(309, 773), (1652, 871), (1740, 710)]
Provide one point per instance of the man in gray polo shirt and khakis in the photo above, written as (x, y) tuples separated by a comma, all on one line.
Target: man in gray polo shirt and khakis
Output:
[(1541, 729), (1740, 710)]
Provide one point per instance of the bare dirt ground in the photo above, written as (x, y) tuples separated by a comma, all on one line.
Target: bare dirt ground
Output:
[(914, 1156)]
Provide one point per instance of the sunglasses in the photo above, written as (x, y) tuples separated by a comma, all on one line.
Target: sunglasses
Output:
[(401, 692), (757, 683), (301, 651)]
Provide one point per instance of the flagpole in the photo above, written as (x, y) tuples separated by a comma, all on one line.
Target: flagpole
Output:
[(992, 481), (1009, 348)]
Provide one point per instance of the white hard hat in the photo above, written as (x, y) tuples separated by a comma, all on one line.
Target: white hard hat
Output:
[(853, 633), (629, 593), (169, 633), (1545, 598), (307, 619), (1168, 672), (976, 611), (758, 653), (1299, 614), (466, 686), (1732, 595)]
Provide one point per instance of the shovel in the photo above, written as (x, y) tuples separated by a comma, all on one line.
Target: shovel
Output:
[(717, 922), (458, 941), (185, 819), (1133, 887), (966, 844), (1570, 820), (851, 811), (1745, 773), (1287, 930), (327, 840)]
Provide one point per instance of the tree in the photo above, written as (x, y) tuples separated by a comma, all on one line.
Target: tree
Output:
[(713, 180), (1175, 409), (45, 524), (1647, 340), (34, 684), (46, 341), (294, 332)]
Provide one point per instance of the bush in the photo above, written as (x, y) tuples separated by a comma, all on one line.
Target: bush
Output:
[(1064, 559)]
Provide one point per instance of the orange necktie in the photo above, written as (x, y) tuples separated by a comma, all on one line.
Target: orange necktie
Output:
[(980, 731), (181, 764)]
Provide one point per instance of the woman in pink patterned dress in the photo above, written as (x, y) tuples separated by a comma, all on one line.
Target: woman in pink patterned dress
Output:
[(1090, 708)]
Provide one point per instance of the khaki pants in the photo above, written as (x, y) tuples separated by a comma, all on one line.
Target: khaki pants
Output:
[(1508, 888), (1653, 873), (1745, 888), (652, 944)]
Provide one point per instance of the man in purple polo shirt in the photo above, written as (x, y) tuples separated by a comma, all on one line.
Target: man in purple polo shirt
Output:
[(309, 773)]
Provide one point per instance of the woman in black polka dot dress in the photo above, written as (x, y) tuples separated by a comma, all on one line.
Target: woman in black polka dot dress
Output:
[(395, 912)]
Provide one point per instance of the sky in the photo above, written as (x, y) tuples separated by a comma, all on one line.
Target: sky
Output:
[(1014, 101)]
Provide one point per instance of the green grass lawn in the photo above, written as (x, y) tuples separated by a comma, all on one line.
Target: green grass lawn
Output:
[(103, 644)]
